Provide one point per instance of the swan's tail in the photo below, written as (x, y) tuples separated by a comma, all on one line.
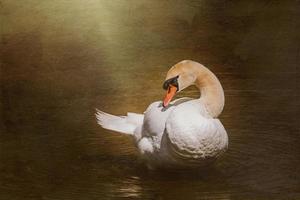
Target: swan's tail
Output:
[(123, 124)]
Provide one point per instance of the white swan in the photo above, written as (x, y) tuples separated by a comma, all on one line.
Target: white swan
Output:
[(181, 133)]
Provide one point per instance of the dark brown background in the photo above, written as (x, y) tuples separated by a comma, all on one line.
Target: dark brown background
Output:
[(61, 59)]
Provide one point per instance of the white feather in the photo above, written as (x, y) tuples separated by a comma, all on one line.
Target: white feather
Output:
[(123, 124)]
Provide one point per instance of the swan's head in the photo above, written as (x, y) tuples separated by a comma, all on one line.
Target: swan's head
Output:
[(179, 77)]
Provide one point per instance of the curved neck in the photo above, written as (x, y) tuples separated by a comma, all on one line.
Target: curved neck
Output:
[(212, 94)]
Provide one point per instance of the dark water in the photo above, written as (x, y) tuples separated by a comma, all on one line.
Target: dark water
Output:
[(61, 59)]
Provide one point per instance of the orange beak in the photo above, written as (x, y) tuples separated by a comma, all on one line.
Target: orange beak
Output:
[(170, 94)]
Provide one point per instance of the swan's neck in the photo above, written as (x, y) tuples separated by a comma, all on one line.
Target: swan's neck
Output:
[(212, 94)]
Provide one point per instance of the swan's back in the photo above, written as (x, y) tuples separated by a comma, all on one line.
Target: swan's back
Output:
[(191, 135), (183, 134), (149, 137), (156, 115)]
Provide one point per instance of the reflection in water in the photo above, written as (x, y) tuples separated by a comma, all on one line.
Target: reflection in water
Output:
[(130, 188), (61, 60)]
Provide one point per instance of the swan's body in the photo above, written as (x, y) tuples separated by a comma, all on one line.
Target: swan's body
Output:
[(185, 133)]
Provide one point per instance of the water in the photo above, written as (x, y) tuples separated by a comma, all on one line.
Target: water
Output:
[(60, 60)]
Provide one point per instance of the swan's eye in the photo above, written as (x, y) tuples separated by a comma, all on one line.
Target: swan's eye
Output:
[(172, 81)]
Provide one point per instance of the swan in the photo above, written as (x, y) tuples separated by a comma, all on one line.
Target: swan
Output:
[(180, 133)]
